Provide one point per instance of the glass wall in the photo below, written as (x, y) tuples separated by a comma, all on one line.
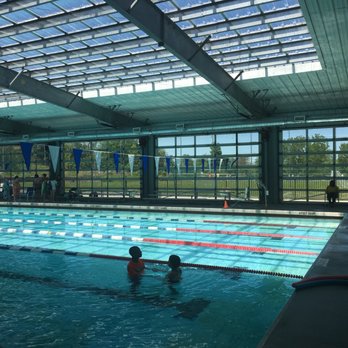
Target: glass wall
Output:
[(12, 165), (97, 175), (209, 166), (310, 158)]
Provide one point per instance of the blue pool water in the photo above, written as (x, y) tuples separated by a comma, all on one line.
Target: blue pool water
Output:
[(50, 299), (275, 245), (54, 300)]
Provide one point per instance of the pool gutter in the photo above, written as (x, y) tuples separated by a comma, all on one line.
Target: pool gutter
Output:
[(178, 209)]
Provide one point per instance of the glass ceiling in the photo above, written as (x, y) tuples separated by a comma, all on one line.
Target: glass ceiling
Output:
[(84, 45)]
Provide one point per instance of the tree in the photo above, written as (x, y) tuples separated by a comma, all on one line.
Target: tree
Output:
[(342, 159), (215, 151)]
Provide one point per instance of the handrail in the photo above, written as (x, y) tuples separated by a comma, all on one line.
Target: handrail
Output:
[(262, 186)]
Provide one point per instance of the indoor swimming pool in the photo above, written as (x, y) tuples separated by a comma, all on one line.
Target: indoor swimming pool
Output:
[(70, 287), (54, 300), (266, 244)]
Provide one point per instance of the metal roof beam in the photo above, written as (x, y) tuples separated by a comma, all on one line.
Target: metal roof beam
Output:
[(11, 127), (21, 83), (156, 24)]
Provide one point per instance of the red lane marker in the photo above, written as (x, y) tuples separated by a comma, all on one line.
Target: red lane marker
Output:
[(228, 246), (242, 233), (257, 224)]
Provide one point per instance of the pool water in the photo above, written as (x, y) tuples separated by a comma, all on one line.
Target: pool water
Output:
[(265, 244), (54, 300)]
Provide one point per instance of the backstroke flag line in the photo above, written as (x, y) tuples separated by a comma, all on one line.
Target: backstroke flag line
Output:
[(77, 157), (116, 160), (131, 163), (168, 164), (186, 164), (157, 158), (54, 154), (178, 164), (26, 152), (98, 159)]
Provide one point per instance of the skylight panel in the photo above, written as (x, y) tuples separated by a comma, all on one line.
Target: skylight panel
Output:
[(118, 17), (6, 41), (72, 73), (139, 50), (99, 22), (4, 23), (113, 68), (166, 6), (97, 42), (224, 35), (295, 38), (288, 23), (279, 5), (55, 76), (11, 57), (185, 4), (25, 37), (301, 51), (45, 10), (34, 67), (93, 71), (68, 5), (48, 32), (121, 37), (30, 54), (73, 61), (71, 28), (154, 61), (140, 34), (242, 13), (284, 16), (234, 48), (134, 65), (116, 54), (97, 2), (73, 46), (19, 17), (53, 64), (91, 82), (71, 84), (184, 25), (94, 57), (206, 20), (263, 43), (284, 33), (254, 29), (51, 50)]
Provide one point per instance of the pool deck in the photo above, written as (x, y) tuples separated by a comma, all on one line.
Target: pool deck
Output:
[(316, 316)]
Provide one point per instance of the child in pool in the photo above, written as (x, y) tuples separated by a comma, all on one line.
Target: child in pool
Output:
[(174, 275), (135, 266)]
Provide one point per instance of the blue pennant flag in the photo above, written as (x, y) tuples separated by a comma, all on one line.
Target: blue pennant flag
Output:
[(77, 157), (168, 164), (214, 164), (26, 151), (145, 160), (202, 164), (7, 166), (186, 164), (116, 160)]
